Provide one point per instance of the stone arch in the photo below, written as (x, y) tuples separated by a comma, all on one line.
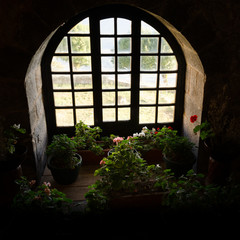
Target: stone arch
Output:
[(193, 99)]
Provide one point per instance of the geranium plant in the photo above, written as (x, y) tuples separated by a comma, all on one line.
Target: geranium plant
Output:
[(205, 128), (37, 198)]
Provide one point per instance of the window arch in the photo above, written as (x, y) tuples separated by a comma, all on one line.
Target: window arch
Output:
[(115, 66)]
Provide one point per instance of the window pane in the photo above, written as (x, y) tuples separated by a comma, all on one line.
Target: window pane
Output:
[(166, 96), (107, 45), (108, 98), (81, 27), (108, 81), (107, 26), (61, 81), (124, 81), (147, 114), (168, 80), (165, 47), (86, 115), (123, 114), (82, 81), (124, 26), (124, 98), (168, 63), (108, 64), (148, 63), (62, 99), (60, 64), (148, 80), (62, 47), (149, 45), (166, 114), (83, 98), (124, 45), (64, 117), (80, 44), (147, 97), (147, 29), (124, 64), (109, 114), (82, 64)]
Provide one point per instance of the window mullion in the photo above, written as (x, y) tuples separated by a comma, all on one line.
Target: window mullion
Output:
[(96, 69)]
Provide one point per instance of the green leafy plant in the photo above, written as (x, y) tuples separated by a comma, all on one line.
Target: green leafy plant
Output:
[(88, 138), (124, 172), (206, 131), (9, 138), (63, 149), (38, 198)]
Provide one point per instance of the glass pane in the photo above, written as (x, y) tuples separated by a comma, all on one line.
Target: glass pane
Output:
[(124, 63), (62, 99), (166, 114), (82, 64), (108, 64), (147, 97), (148, 80), (64, 117), (165, 47), (124, 26), (147, 29), (168, 63), (166, 96), (149, 45), (61, 81), (123, 114), (124, 81), (107, 45), (109, 114), (81, 27), (147, 114), (148, 63), (124, 98), (60, 64), (108, 81), (107, 26), (62, 47), (124, 45), (86, 115), (80, 44), (168, 80), (84, 98), (82, 81), (108, 98)]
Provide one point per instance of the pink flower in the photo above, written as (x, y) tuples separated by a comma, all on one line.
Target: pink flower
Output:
[(129, 137), (117, 140), (102, 162), (48, 184)]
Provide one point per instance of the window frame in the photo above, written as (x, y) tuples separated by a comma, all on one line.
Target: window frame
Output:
[(136, 15)]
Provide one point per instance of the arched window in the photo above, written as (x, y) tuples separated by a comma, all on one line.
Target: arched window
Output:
[(117, 67)]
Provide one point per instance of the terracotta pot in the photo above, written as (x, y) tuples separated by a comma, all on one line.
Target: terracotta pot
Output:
[(90, 158)]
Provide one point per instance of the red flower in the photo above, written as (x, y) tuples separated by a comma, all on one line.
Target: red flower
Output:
[(170, 128), (156, 132), (193, 118)]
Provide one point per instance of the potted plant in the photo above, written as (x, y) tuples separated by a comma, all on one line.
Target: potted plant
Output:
[(90, 145), (63, 161), (12, 154), (127, 181), (178, 155), (33, 198)]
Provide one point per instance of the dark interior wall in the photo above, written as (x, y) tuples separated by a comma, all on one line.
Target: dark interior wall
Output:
[(211, 26)]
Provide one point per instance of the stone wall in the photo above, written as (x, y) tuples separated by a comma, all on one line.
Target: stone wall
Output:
[(211, 27)]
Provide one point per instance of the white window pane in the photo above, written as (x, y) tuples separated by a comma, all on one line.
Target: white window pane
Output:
[(86, 115), (149, 45), (82, 64), (124, 63), (80, 44), (148, 63), (124, 26), (84, 98), (166, 96), (124, 98), (165, 47), (147, 29), (124, 45), (108, 81), (64, 117), (166, 114), (147, 115), (168, 80), (107, 26), (62, 81), (107, 45), (109, 114), (60, 64), (108, 98), (108, 64), (81, 27), (62, 47), (82, 81), (124, 81), (168, 63), (148, 80), (147, 97), (123, 114), (62, 99)]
